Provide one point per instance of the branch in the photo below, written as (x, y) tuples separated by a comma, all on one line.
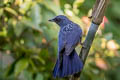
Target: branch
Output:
[(97, 17)]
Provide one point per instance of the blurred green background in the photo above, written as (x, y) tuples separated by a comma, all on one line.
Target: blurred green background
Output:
[(28, 42)]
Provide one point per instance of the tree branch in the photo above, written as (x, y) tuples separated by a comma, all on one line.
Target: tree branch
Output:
[(97, 17)]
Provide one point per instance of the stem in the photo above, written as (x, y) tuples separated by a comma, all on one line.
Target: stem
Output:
[(88, 42)]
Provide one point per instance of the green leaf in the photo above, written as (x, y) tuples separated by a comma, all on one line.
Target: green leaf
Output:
[(1, 12), (12, 11), (25, 6), (1, 2), (50, 5), (40, 59), (21, 65), (31, 24), (10, 70), (39, 77), (27, 75), (35, 15), (18, 29), (4, 32), (45, 17)]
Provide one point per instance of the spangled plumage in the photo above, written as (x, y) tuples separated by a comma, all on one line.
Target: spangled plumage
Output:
[(70, 35)]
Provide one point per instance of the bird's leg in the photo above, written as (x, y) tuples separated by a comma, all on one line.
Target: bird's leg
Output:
[(82, 44)]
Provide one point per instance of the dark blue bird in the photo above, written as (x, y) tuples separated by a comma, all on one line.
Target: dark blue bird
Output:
[(70, 34)]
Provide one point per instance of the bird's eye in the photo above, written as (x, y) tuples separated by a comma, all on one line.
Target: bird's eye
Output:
[(57, 20)]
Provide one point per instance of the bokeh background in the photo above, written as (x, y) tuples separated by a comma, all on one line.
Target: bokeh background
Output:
[(28, 42)]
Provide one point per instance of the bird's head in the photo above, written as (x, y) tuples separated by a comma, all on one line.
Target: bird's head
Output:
[(61, 20)]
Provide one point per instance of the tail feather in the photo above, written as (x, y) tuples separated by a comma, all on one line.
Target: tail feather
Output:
[(70, 65), (55, 69), (65, 69)]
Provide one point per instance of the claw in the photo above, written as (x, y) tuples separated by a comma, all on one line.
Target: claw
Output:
[(83, 45)]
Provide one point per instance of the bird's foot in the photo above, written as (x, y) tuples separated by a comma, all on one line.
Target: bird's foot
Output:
[(83, 45)]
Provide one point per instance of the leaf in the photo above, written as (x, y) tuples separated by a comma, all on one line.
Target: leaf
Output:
[(44, 53), (78, 3), (10, 70), (12, 11), (1, 2), (63, 2), (53, 7), (33, 65), (111, 28), (4, 32), (20, 66), (45, 11), (29, 40), (40, 59), (18, 29), (30, 24), (35, 15), (24, 5), (1, 12), (27, 75), (39, 77), (115, 9)]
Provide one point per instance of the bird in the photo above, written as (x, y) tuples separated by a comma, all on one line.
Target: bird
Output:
[(70, 35)]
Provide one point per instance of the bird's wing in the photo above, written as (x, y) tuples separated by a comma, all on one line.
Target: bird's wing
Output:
[(61, 42), (73, 39)]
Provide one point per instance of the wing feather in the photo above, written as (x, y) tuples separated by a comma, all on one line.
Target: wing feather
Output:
[(73, 39)]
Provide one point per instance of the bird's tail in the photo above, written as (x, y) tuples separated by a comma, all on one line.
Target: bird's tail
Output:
[(70, 65)]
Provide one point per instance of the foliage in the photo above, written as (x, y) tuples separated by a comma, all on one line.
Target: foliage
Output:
[(31, 41)]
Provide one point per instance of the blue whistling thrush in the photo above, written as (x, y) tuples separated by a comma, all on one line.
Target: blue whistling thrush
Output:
[(70, 34)]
